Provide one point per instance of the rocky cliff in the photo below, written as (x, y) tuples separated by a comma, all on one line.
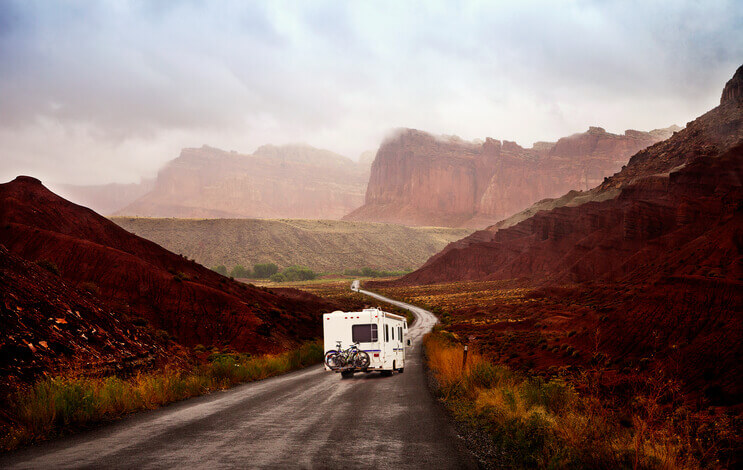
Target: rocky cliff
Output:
[(657, 248), (420, 179), (675, 209), (292, 181)]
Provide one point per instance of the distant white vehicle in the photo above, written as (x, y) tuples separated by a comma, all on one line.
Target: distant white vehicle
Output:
[(355, 285), (352, 336)]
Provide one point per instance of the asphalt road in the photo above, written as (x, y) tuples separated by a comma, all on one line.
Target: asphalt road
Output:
[(306, 419)]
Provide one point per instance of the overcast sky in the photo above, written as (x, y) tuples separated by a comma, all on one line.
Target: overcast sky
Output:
[(98, 92)]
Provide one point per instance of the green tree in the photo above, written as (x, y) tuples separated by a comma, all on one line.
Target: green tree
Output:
[(239, 271), (299, 273), (221, 269), (278, 277), (265, 270)]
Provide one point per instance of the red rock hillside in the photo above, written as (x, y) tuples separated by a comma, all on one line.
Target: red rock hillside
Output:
[(292, 181), (137, 278), (420, 179), (49, 325), (657, 251)]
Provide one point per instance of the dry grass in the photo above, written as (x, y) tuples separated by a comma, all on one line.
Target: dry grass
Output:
[(538, 423), (56, 405)]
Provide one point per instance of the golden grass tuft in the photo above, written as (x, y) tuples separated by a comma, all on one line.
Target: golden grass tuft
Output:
[(538, 423)]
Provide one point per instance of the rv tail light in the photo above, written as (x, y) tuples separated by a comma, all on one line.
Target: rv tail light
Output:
[(376, 354)]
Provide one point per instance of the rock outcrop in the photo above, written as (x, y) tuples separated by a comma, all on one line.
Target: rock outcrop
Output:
[(420, 179), (292, 181)]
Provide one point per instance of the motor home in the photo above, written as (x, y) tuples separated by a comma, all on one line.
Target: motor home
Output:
[(355, 285), (382, 335)]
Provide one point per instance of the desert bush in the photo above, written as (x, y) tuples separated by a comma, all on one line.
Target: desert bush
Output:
[(298, 273), (221, 269), (278, 277), (266, 270), (49, 266), (239, 271)]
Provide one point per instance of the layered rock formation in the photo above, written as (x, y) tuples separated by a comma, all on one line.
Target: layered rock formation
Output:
[(657, 248), (420, 179), (292, 181), (132, 277), (675, 209)]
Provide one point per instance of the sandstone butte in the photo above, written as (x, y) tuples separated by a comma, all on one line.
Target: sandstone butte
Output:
[(421, 179), (290, 181)]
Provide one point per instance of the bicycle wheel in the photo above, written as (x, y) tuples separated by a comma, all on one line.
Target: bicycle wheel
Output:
[(362, 360), (332, 359)]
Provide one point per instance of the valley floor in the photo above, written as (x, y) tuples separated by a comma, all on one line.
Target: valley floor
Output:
[(564, 360)]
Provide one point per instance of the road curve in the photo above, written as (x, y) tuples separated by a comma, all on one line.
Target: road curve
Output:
[(305, 419)]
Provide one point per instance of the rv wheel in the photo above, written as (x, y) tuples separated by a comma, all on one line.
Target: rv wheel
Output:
[(401, 369)]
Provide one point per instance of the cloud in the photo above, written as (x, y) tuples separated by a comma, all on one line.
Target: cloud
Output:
[(109, 91)]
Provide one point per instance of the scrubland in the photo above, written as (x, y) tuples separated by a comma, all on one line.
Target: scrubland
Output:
[(550, 382), (57, 405)]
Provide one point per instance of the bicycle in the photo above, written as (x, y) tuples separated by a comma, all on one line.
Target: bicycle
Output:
[(347, 360)]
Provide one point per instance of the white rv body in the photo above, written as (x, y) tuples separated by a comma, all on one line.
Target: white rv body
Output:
[(382, 335), (355, 285)]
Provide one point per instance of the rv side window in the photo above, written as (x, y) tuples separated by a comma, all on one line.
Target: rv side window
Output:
[(399, 331), (393, 333), (386, 333), (364, 333)]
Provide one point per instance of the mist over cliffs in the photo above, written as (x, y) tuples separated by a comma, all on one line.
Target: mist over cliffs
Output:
[(291, 181), (421, 179)]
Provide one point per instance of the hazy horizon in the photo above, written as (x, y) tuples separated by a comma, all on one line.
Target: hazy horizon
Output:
[(108, 92)]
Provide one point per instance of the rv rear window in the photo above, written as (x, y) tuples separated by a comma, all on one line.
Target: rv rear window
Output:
[(364, 333)]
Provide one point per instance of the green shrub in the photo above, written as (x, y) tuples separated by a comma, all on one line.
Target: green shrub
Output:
[(221, 269), (299, 273), (487, 375), (278, 277), (554, 395), (266, 270), (240, 271)]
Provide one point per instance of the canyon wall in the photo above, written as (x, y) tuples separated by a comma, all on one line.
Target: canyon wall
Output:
[(421, 179)]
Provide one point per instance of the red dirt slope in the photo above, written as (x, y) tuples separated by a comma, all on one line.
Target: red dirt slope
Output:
[(48, 325), (139, 278)]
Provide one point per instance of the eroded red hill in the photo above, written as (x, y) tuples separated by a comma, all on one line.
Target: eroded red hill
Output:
[(138, 278)]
